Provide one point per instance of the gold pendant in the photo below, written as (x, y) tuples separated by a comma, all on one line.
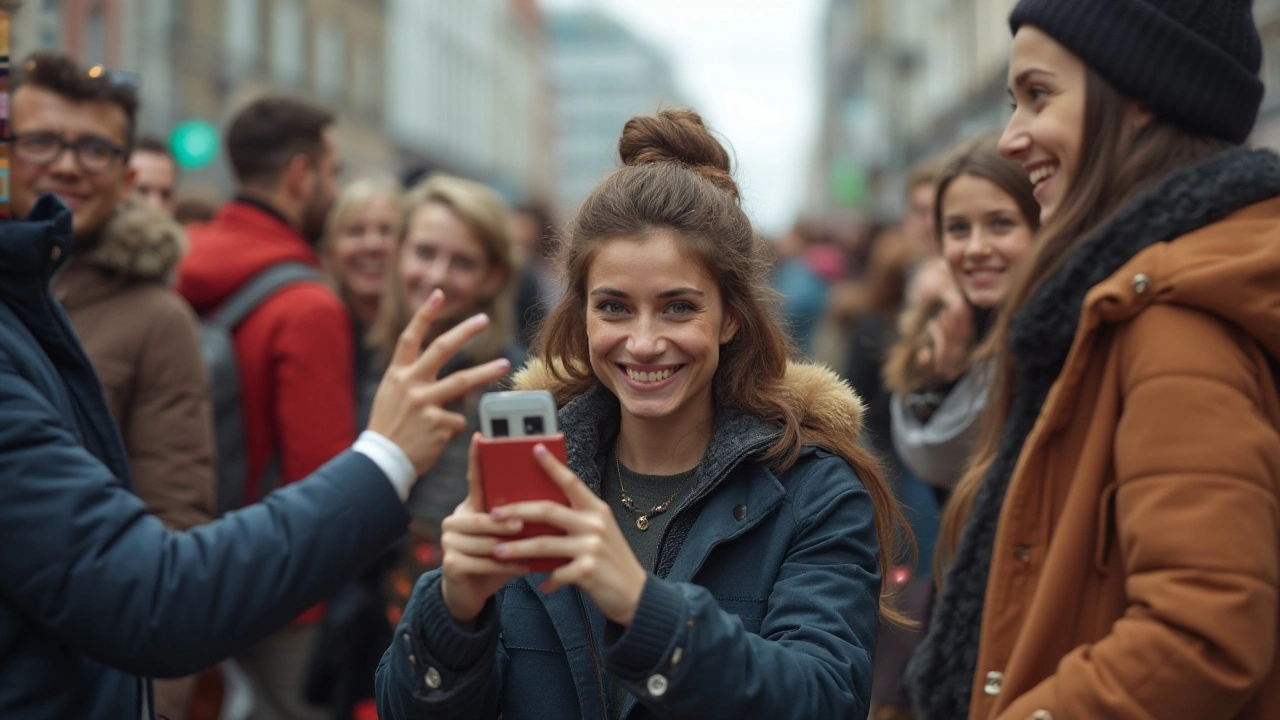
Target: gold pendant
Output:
[(642, 522)]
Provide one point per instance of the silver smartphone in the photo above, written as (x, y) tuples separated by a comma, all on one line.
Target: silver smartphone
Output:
[(517, 413)]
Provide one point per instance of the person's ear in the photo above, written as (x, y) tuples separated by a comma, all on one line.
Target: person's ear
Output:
[(300, 177), (1137, 116), (729, 327), (126, 187)]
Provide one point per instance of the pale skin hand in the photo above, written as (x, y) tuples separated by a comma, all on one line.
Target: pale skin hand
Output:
[(408, 407), (600, 560), (470, 574)]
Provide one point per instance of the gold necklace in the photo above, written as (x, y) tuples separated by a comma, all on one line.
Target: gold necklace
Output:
[(642, 522)]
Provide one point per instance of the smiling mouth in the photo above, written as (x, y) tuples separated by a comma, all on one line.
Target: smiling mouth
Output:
[(645, 377), (1041, 173)]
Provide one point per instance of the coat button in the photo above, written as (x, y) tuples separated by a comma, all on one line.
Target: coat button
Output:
[(994, 681), (55, 253), (676, 656), (432, 678), (657, 685), (1041, 715), (1022, 553), (740, 513), (1141, 283)]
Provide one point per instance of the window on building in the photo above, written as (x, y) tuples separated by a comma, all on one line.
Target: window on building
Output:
[(288, 43), (95, 36), (242, 35), (331, 60), (51, 25)]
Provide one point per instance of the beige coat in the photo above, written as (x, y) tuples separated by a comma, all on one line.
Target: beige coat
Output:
[(141, 338)]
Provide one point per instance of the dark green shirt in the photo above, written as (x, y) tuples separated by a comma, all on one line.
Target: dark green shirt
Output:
[(646, 491)]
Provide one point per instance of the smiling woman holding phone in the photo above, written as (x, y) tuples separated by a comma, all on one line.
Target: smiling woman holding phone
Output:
[(725, 531)]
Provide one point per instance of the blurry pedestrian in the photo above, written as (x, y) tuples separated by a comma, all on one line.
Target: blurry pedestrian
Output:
[(986, 218), (457, 239), (1118, 554), (804, 291), (295, 350), (118, 269), (155, 175), (361, 235), (190, 209), (726, 531)]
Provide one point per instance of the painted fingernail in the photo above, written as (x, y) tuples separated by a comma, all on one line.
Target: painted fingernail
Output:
[(500, 549), (435, 298), (514, 524), (480, 320), (540, 450), (498, 513)]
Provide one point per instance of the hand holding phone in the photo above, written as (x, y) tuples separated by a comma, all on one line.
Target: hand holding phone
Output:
[(512, 423)]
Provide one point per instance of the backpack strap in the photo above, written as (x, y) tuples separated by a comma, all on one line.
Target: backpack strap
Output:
[(240, 306), (253, 293)]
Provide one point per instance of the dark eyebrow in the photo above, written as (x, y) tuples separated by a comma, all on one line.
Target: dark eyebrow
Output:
[(664, 295), (611, 292), (1025, 75), (677, 292)]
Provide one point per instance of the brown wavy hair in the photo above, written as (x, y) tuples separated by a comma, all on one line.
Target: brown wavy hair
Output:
[(676, 178), (1114, 169)]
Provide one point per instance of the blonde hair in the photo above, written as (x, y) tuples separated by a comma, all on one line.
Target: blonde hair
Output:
[(488, 217), (353, 200)]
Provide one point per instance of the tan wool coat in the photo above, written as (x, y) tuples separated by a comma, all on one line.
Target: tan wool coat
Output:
[(141, 338)]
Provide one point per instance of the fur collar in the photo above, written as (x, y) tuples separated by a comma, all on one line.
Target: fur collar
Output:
[(590, 426), (942, 673), (138, 243)]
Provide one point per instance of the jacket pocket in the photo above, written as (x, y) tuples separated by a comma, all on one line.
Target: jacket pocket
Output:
[(526, 624), (750, 611), (1106, 528)]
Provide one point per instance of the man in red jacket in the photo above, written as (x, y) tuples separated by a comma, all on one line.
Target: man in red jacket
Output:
[(294, 351)]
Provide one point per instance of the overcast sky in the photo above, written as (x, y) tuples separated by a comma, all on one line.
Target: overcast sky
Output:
[(751, 68)]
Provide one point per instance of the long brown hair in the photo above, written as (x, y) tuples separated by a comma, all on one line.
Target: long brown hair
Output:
[(978, 157), (488, 217), (1115, 167), (676, 179)]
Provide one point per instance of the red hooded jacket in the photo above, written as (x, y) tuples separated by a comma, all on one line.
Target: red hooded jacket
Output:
[(295, 351)]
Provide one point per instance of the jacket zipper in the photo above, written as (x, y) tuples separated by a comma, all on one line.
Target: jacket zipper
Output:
[(595, 655)]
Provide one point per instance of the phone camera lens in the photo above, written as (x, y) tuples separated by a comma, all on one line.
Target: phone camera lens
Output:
[(533, 425), (500, 428)]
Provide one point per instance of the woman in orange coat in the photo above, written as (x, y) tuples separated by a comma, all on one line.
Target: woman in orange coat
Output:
[(1115, 547)]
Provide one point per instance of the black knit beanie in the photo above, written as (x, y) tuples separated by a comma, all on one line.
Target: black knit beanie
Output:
[(1195, 62)]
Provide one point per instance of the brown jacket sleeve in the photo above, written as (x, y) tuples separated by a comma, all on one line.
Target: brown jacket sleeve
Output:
[(1197, 460), (168, 428)]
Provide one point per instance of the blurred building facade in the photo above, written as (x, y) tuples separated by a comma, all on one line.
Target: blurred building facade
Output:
[(903, 80), (456, 85), (603, 76)]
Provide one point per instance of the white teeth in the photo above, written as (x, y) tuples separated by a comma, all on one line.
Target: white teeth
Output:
[(1041, 174), (641, 376)]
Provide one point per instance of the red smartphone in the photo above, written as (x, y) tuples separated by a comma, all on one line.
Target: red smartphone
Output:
[(511, 424)]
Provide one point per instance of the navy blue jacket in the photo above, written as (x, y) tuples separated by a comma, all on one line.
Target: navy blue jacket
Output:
[(763, 602), (95, 594)]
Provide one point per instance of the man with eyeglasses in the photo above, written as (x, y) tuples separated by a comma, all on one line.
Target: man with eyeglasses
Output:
[(97, 595)]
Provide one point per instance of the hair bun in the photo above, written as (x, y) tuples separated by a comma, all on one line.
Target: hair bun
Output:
[(677, 136)]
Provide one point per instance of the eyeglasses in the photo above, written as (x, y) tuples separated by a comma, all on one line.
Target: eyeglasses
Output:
[(93, 154)]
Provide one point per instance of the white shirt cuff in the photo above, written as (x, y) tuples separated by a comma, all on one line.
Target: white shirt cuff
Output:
[(390, 459)]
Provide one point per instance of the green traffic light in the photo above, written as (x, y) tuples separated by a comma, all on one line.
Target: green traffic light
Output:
[(194, 144)]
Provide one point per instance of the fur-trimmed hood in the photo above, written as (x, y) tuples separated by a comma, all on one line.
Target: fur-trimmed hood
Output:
[(827, 405), (138, 243)]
